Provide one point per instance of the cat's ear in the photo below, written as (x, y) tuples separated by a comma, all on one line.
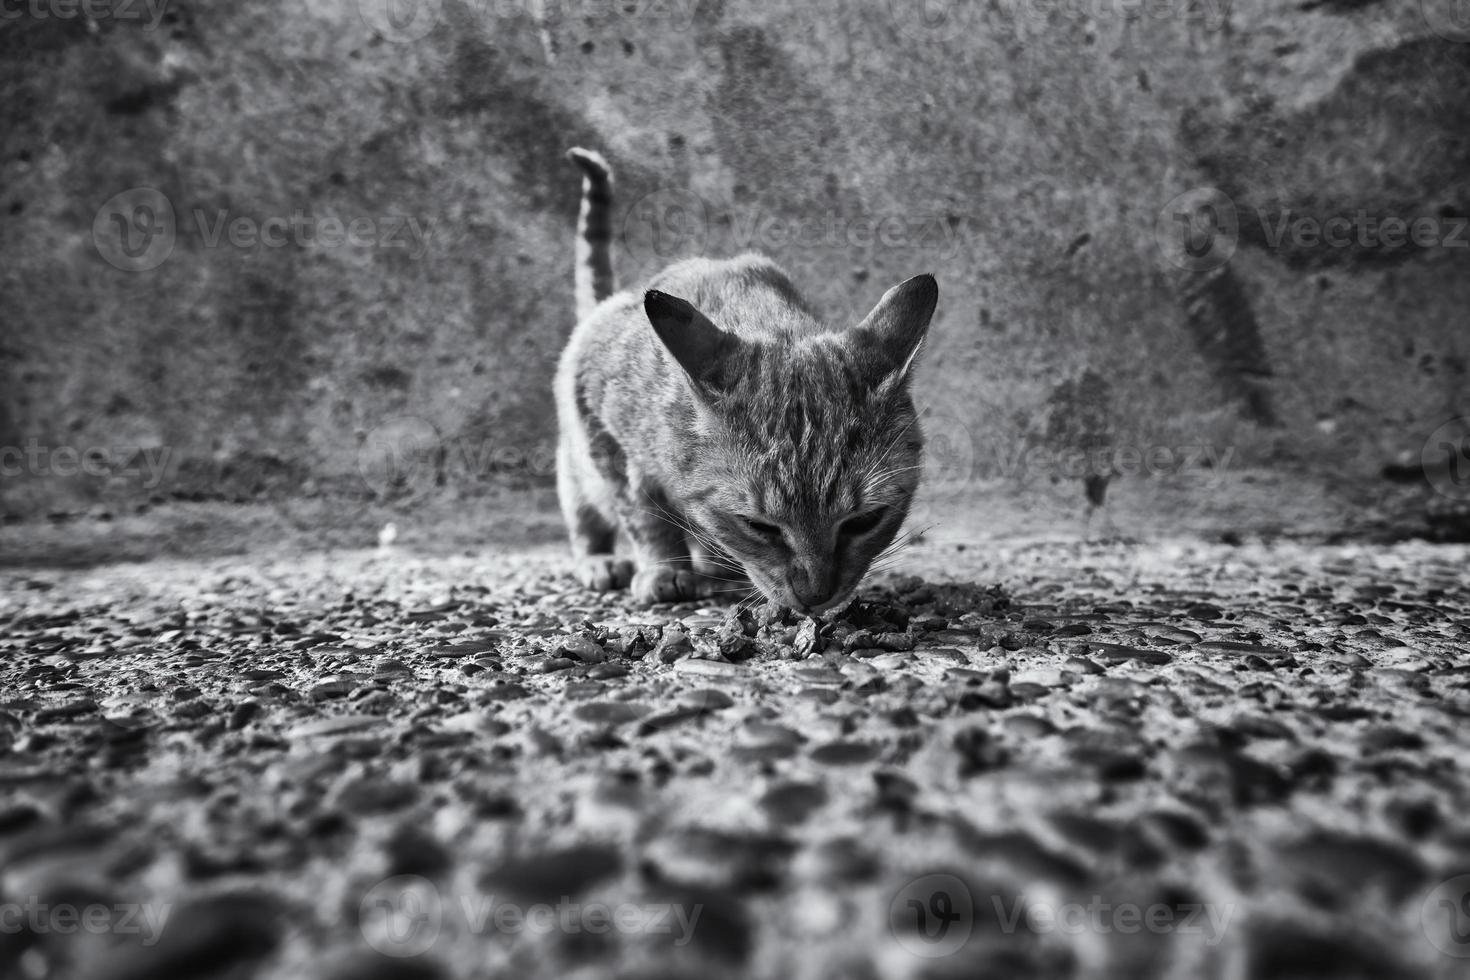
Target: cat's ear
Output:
[(702, 349), (891, 335)]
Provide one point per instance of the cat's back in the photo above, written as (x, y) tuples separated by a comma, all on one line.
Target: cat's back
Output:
[(749, 295)]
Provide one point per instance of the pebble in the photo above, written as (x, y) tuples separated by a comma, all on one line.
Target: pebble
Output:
[(221, 934), (554, 875), (1231, 646), (724, 936), (793, 802), (1023, 691), (1415, 818), (818, 675), (366, 965), (1025, 726), (675, 644), (1023, 855), (1110, 765), (338, 725), (193, 710), (328, 690), (581, 690), (1213, 773), (1175, 828), (1346, 865), (1173, 634), (844, 753), (709, 668), (768, 733), (1278, 950), (505, 691), (1083, 665), (1044, 677), (582, 649), (806, 641), (706, 699), (243, 714), (1386, 738), (1259, 726), (610, 712), (723, 859), (979, 752), (761, 752), (946, 653), (16, 817), (1116, 653), (66, 711), (375, 795), (840, 860)]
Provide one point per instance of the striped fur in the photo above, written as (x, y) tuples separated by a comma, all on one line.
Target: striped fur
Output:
[(594, 276), (714, 397)]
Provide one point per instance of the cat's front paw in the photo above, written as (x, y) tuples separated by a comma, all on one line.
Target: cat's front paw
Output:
[(604, 573), (666, 583)]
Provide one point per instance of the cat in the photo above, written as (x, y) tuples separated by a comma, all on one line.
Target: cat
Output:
[(728, 437)]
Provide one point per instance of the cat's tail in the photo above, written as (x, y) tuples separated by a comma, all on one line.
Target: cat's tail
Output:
[(594, 278)]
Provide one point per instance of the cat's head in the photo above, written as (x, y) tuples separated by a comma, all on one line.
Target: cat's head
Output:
[(800, 455)]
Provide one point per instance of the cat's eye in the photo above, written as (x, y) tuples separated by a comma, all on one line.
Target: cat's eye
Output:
[(864, 522), (762, 528)]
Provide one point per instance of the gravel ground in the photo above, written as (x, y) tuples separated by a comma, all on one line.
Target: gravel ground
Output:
[(1039, 758)]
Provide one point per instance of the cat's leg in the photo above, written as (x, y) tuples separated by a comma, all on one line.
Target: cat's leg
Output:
[(586, 503), (665, 569)]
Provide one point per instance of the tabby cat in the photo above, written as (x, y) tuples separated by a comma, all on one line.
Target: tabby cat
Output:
[(732, 440)]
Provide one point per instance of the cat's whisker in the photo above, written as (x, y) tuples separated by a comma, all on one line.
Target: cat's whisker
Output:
[(682, 525), (750, 601), (901, 469), (690, 560), (879, 459), (889, 556), (873, 483), (742, 589), (895, 471), (712, 554)]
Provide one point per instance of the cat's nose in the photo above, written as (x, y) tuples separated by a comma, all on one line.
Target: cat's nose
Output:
[(811, 589)]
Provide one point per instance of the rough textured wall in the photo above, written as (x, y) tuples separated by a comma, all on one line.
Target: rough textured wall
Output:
[(1028, 153)]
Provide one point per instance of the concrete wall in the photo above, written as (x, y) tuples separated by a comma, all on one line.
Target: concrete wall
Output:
[(1026, 152)]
